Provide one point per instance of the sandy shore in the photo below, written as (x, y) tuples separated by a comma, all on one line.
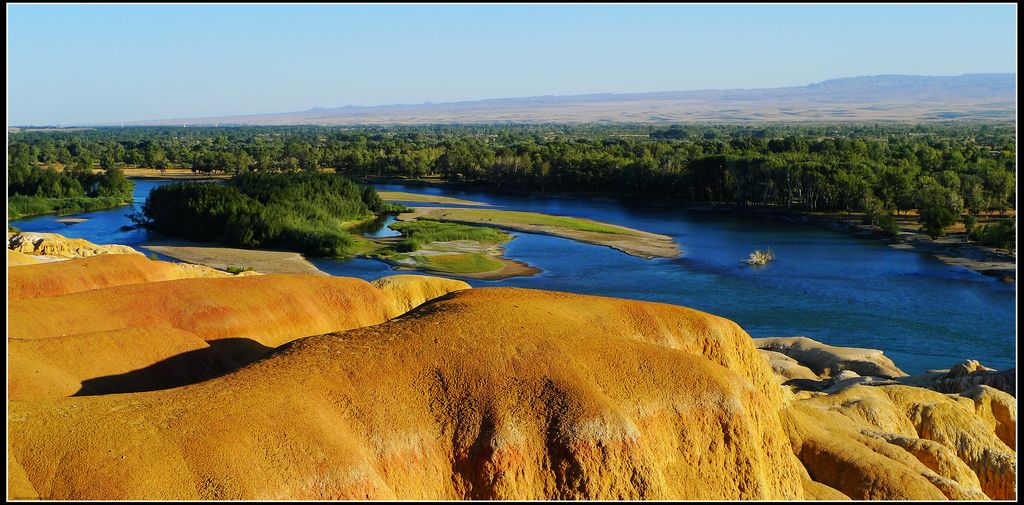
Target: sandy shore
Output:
[(950, 249), (974, 257), (267, 262), (400, 196), (512, 268), (170, 173), (628, 240)]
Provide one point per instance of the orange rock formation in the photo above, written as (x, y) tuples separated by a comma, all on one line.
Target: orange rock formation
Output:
[(474, 393), (95, 272), (488, 393)]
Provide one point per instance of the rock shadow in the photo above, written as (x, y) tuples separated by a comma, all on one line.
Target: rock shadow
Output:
[(222, 356)]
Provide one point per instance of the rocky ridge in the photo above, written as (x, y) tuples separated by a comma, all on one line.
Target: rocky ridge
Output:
[(413, 387)]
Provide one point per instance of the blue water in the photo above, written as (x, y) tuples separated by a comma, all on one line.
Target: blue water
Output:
[(379, 228), (824, 284)]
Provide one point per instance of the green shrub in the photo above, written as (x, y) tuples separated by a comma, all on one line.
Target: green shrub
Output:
[(938, 208), (887, 222), (1002, 234), (877, 215), (408, 245), (19, 206), (969, 223), (421, 232), (319, 242)]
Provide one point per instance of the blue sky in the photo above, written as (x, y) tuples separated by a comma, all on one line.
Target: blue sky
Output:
[(107, 63)]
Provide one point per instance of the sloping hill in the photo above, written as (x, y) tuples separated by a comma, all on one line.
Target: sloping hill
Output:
[(879, 97), (269, 309), (114, 323), (496, 406), (96, 272)]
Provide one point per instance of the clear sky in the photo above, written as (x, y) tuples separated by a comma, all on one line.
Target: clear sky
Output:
[(107, 63)]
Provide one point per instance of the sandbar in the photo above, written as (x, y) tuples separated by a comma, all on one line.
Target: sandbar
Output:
[(263, 261), (399, 196), (628, 240)]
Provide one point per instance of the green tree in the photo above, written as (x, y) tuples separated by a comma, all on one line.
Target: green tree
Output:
[(970, 221), (938, 208)]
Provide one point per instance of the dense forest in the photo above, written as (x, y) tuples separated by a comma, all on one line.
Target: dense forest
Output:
[(35, 190), (306, 212), (948, 172)]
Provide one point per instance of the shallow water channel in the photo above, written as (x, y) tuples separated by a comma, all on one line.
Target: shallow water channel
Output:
[(824, 284)]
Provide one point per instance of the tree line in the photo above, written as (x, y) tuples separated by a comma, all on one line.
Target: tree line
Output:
[(33, 190), (945, 171)]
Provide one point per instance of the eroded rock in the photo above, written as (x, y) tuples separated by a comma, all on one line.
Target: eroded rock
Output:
[(407, 292), (97, 272), (491, 393), (826, 360), (965, 376), (903, 442), (52, 244)]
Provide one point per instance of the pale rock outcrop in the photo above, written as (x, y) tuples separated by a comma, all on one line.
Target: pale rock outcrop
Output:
[(826, 360), (407, 292), (965, 376), (863, 466), (17, 259), (902, 442), (52, 244), (836, 384), (950, 420), (966, 443), (997, 409), (786, 368)]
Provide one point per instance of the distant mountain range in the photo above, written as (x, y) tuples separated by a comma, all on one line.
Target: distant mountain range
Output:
[(871, 98)]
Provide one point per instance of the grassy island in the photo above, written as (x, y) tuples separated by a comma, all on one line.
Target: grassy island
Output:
[(451, 248), (306, 212), (633, 242)]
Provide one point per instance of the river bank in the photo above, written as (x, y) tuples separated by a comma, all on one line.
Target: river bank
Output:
[(951, 249)]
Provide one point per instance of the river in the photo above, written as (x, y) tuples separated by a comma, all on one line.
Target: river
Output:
[(824, 284)]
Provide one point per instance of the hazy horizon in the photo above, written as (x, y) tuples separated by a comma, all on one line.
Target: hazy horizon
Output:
[(382, 105), (103, 64)]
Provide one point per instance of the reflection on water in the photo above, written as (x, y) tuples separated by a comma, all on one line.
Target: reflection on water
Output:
[(378, 228), (823, 284)]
